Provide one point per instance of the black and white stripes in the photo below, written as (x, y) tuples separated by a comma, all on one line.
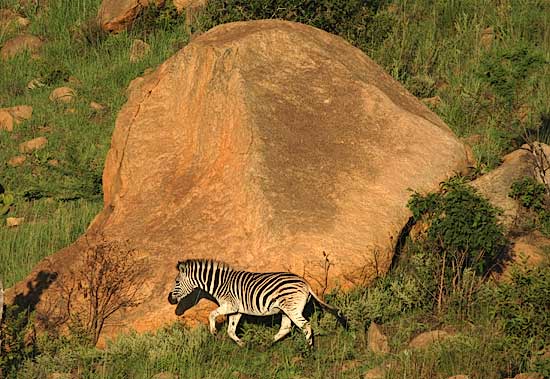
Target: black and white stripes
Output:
[(242, 292)]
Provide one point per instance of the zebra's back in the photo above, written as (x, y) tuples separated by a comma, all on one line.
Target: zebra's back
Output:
[(264, 294)]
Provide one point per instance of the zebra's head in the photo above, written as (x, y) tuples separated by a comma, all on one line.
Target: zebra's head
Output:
[(183, 285)]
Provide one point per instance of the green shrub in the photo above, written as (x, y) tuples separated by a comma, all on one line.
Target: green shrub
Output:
[(506, 70), (522, 304), (533, 196), (461, 224), (355, 20), (17, 340)]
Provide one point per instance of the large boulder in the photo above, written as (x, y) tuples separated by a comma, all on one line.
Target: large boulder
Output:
[(269, 145)]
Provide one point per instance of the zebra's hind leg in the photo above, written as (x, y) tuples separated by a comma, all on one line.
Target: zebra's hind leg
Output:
[(232, 327), (303, 324), (286, 324)]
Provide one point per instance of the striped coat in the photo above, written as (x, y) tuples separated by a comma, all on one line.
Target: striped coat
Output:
[(252, 293)]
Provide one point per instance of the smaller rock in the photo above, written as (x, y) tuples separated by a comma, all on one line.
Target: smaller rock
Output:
[(432, 101), (35, 83), (32, 145), (487, 37), (63, 95), (9, 18), (74, 81), (23, 21), (12, 222), (529, 375), (17, 161), (53, 162), (6, 121), (139, 50), (460, 376), (187, 4), (427, 338), (20, 113), (377, 341), (165, 375), (377, 372), (96, 106), (16, 45)]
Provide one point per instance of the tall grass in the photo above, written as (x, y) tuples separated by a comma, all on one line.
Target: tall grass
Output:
[(48, 227)]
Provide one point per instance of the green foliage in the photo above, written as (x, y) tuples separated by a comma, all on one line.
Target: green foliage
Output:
[(6, 202), (529, 192), (506, 69), (462, 224), (17, 340), (523, 306), (533, 196), (355, 20), (156, 17)]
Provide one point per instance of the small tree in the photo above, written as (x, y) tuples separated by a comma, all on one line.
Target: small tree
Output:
[(107, 281), (463, 234)]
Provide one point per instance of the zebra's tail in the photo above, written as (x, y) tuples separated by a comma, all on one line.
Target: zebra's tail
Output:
[(334, 311)]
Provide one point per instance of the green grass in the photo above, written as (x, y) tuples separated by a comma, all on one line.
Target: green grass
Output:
[(493, 93), (48, 227)]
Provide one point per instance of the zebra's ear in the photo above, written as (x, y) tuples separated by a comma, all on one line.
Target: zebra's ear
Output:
[(179, 266)]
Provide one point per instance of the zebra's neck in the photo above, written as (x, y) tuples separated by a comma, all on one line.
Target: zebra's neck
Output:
[(212, 276)]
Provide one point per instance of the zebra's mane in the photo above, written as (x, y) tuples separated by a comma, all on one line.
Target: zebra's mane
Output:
[(213, 263)]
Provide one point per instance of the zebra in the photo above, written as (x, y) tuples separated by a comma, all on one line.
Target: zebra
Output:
[(239, 292)]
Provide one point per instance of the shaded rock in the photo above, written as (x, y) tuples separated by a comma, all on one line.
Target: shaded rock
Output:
[(6, 121), (19, 44), (487, 37), (14, 221), (32, 145), (425, 339), (118, 15), (432, 101), (96, 106), (10, 19), (60, 375), (529, 375), (529, 248), (377, 341), (262, 144), (17, 161), (377, 372), (35, 83), (496, 184), (19, 113), (165, 375), (188, 4), (63, 95), (139, 50)]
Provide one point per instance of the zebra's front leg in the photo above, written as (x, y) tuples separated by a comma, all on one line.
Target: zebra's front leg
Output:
[(223, 309), (232, 327)]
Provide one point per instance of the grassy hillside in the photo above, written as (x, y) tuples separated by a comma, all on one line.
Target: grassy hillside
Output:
[(482, 65)]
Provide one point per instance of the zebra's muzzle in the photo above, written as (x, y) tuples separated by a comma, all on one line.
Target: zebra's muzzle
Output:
[(172, 299)]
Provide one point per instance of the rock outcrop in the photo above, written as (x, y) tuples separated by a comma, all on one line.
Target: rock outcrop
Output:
[(269, 145), (19, 44)]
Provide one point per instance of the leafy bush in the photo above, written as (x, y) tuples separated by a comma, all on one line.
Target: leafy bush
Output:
[(461, 225), (17, 342), (355, 20), (523, 305), (533, 196), (505, 70)]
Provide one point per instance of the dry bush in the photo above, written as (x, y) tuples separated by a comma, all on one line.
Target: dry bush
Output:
[(107, 281)]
